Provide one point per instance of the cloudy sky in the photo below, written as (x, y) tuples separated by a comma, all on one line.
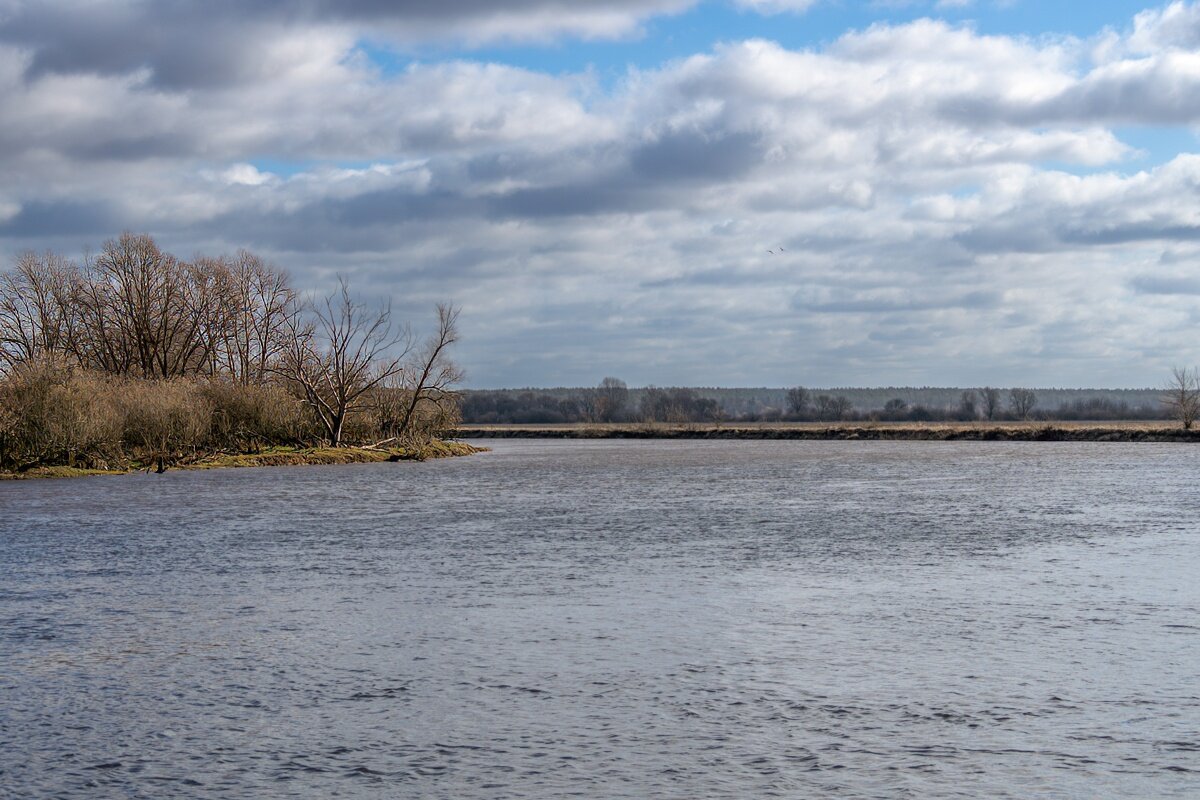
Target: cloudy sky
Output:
[(696, 192)]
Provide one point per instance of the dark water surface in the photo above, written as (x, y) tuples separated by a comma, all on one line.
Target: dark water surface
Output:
[(612, 619)]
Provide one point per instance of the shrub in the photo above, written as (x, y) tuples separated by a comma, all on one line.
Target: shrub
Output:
[(57, 415), (248, 418), (164, 421)]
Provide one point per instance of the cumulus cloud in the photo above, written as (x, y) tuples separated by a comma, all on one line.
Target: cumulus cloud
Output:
[(911, 203), (225, 42), (1176, 25)]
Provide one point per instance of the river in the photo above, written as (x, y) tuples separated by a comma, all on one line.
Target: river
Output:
[(602, 619)]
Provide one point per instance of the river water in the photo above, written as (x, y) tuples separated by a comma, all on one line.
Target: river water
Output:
[(612, 619)]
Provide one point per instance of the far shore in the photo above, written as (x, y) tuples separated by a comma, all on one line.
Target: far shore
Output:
[(1032, 431), (270, 457)]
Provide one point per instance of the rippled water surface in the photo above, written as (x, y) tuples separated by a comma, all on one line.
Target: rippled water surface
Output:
[(612, 619)]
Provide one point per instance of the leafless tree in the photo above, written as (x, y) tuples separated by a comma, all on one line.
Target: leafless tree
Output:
[(429, 375), (143, 312), (252, 300), (589, 404), (832, 409), (606, 402), (612, 397), (134, 310), (678, 405), (895, 408), (1021, 401), (967, 409), (1181, 394), (35, 302), (797, 401), (842, 407), (989, 398), (823, 407), (338, 350)]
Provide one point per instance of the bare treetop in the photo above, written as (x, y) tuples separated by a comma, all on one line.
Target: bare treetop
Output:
[(338, 350), (1182, 395)]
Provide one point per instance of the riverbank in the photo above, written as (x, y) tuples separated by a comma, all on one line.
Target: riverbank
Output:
[(273, 457), (916, 431)]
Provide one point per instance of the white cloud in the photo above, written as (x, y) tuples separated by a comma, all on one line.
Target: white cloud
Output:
[(1176, 25), (245, 175), (914, 183)]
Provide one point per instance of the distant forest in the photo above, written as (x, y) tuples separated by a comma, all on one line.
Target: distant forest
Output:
[(613, 401)]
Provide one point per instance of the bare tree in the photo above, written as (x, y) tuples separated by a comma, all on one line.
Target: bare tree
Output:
[(797, 401), (1181, 394), (606, 402), (253, 299), (135, 310), (832, 409), (143, 312), (612, 396), (429, 375), (895, 408), (990, 399), (35, 303), (841, 407), (677, 405), (337, 351), (967, 405), (1021, 401)]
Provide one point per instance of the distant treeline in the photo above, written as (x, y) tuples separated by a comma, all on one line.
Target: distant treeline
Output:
[(613, 401), (136, 356)]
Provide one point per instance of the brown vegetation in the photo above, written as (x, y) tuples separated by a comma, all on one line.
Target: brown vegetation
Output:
[(1181, 395), (138, 358)]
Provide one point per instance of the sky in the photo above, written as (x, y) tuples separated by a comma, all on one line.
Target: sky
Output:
[(673, 192)]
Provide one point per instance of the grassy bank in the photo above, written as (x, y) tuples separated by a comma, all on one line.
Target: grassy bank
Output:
[(915, 431), (274, 457)]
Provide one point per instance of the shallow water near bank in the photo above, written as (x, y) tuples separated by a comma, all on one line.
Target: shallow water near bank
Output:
[(612, 619)]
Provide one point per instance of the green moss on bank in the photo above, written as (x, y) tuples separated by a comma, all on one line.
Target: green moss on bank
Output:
[(276, 457)]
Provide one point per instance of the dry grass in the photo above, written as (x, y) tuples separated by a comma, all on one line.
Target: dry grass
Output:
[(290, 456)]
